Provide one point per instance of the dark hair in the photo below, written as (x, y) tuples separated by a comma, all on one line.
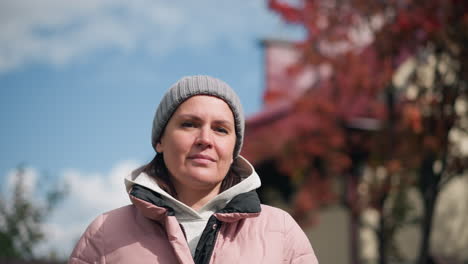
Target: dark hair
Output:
[(157, 170)]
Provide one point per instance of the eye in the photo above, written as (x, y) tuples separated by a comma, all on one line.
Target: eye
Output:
[(187, 124), (221, 130)]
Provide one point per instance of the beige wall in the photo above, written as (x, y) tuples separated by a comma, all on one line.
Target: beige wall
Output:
[(330, 238)]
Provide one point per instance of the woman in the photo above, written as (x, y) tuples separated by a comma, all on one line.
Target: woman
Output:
[(195, 202)]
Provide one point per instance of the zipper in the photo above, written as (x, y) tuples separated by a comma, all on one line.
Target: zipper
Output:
[(217, 227), (205, 256), (183, 231)]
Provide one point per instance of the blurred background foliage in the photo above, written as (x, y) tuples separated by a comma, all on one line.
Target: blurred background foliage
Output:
[(385, 116), (23, 212)]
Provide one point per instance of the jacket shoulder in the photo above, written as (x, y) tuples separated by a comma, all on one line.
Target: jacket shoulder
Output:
[(277, 216), (298, 248), (109, 222), (273, 211), (91, 246)]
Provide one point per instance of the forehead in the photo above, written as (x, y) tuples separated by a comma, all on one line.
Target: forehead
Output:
[(205, 105)]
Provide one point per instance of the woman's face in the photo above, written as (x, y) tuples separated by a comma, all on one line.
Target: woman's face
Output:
[(198, 142)]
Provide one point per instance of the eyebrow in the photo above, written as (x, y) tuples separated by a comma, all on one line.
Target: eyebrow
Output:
[(197, 118)]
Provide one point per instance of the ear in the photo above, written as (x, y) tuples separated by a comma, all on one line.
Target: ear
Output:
[(159, 147)]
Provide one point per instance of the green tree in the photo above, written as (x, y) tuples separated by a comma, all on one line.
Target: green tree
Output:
[(22, 213)]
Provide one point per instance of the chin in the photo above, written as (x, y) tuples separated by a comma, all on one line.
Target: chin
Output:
[(205, 179)]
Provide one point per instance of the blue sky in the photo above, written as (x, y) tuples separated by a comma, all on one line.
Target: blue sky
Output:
[(80, 81), (92, 103)]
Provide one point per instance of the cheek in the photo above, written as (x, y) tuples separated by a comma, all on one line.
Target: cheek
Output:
[(180, 142), (174, 155), (230, 145), (227, 150), (174, 150)]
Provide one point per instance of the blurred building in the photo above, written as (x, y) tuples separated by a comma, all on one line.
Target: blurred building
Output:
[(333, 235)]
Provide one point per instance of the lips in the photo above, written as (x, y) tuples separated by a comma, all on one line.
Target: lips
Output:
[(201, 157)]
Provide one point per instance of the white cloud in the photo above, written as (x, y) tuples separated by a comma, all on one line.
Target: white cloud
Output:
[(90, 194), (57, 32), (29, 178)]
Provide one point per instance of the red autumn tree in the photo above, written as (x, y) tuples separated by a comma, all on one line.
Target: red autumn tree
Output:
[(364, 114)]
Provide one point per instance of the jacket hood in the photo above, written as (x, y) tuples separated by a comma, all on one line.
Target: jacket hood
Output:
[(151, 194)]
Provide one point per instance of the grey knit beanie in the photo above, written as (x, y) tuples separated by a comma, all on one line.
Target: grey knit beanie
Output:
[(198, 85)]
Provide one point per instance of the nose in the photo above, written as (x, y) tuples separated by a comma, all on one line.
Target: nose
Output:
[(204, 138)]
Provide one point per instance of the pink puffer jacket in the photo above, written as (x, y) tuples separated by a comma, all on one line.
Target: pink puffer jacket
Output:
[(148, 232)]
